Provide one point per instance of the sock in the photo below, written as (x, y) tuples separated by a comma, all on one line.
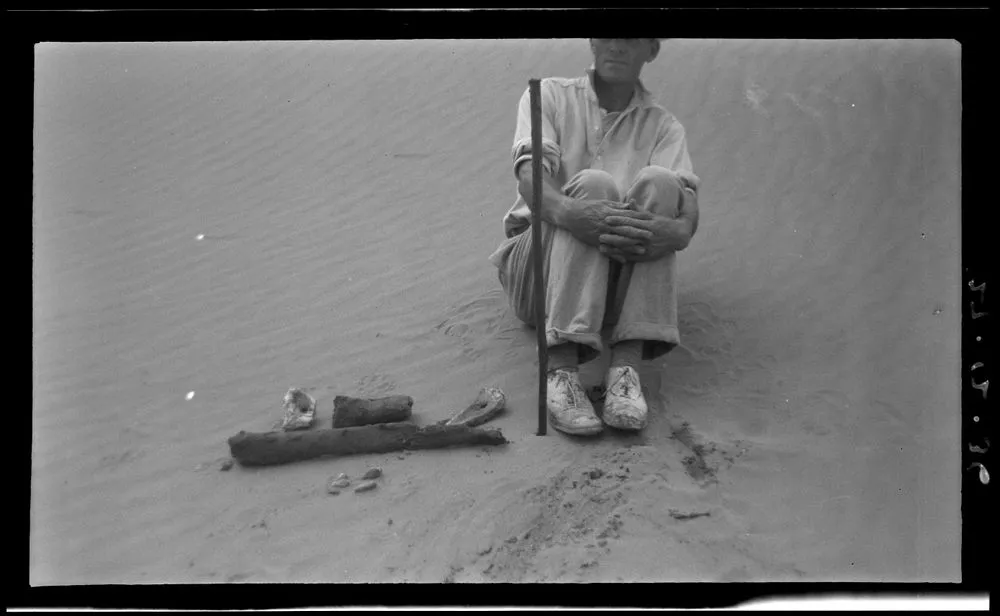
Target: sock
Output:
[(563, 356), (627, 353)]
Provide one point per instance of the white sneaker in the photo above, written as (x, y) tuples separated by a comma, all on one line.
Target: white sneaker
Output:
[(624, 406), (570, 410)]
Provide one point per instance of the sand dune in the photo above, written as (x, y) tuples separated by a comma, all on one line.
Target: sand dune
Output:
[(348, 194)]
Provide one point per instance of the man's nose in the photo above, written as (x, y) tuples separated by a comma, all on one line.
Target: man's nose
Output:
[(618, 46)]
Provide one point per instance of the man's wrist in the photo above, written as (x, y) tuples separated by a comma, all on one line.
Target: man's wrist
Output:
[(562, 210)]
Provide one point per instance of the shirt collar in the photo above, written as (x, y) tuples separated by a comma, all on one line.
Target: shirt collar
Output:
[(642, 97)]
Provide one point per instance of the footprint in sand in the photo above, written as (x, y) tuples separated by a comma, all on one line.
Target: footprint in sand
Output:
[(477, 323), (706, 457)]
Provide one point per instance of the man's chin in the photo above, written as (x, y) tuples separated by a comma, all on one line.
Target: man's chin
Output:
[(615, 78)]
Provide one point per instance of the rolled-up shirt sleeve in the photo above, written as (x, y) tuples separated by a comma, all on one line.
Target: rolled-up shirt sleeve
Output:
[(551, 153), (671, 152)]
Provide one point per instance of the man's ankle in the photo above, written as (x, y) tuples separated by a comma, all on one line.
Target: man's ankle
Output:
[(626, 353), (563, 357)]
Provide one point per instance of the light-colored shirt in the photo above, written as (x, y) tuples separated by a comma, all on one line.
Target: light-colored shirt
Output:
[(578, 134)]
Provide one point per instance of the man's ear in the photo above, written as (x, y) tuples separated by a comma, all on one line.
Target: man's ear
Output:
[(655, 50)]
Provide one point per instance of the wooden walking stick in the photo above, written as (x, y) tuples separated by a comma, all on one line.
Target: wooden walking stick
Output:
[(534, 88)]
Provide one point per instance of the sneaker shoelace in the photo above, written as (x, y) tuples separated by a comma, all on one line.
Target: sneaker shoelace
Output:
[(626, 383), (575, 390)]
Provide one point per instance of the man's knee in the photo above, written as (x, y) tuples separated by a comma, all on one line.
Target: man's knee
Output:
[(659, 187), (592, 184), (660, 177)]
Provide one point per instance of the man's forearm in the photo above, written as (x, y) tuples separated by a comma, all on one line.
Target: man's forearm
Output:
[(554, 203), (679, 231)]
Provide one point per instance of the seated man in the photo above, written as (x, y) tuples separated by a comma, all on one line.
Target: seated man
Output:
[(619, 200)]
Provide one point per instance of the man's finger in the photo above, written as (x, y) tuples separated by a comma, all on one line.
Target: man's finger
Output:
[(622, 221), (620, 205), (634, 214), (629, 231), (615, 240), (613, 253)]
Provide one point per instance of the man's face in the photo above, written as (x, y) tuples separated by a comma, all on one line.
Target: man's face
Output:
[(621, 60)]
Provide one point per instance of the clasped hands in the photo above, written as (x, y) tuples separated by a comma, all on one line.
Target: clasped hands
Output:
[(624, 233)]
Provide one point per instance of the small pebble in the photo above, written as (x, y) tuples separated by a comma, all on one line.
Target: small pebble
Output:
[(189, 395), (341, 483), (602, 542), (226, 465), (390, 521), (366, 486), (596, 473), (333, 491), (372, 473), (342, 476)]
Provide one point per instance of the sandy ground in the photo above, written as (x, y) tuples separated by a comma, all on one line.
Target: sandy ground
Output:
[(349, 195)]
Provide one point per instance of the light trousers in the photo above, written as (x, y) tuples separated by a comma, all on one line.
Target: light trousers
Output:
[(581, 283)]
